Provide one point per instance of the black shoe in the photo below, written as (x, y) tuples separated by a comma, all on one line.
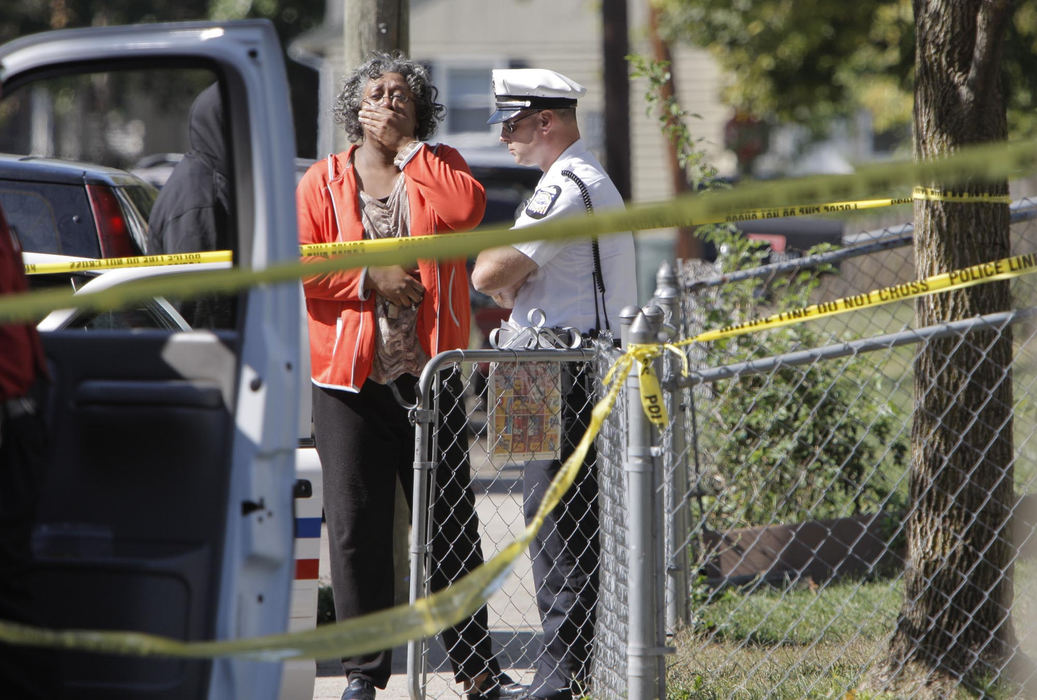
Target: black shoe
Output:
[(502, 686), (359, 689)]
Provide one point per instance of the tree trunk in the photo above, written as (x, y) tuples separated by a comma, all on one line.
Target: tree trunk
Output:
[(955, 624)]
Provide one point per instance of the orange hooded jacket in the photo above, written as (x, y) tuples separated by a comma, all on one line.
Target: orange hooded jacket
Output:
[(443, 197)]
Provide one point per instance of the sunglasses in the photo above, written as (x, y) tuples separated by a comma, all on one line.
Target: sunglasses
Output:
[(509, 125)]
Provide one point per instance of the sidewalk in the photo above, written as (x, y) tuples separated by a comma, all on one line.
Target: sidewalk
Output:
[(514, 624)]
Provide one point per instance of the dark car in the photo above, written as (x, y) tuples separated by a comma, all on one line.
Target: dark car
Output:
[(70, 208), (507, 185), (794, 236)]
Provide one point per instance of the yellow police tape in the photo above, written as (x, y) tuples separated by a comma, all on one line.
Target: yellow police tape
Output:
[(937, 194), (429, 615), (380, 630), (1003, 269), (86, 264), (364, 247), (974, 164), (650, 389)]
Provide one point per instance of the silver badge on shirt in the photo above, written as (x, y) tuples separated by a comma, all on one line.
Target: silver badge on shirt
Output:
[(542, 201)]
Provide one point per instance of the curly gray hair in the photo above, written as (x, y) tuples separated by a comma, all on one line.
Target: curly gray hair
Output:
[(347, 104)]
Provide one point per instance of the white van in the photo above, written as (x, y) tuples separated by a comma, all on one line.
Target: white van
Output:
[(169, 500)]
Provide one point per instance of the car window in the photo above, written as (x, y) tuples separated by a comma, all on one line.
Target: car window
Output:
[(148, 315), (142, 198), (50, 218), (66, 184), (107, 118), (138, 201), (154, 314)]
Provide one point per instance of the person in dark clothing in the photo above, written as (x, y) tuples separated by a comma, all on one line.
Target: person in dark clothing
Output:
[(193, 211), (23, 671)]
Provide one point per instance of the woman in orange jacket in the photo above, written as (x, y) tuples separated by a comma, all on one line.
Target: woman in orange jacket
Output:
[(371, 332)]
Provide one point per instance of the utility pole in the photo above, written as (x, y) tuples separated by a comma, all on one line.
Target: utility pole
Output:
[(616, 46), (380, 25), (372, 25)]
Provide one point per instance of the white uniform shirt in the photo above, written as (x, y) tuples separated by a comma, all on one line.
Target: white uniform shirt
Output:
[(563, 285)]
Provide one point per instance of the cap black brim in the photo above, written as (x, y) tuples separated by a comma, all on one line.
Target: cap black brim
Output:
[(504, 114)]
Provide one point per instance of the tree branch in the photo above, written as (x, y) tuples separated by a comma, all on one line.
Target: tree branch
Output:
[(984, 69)]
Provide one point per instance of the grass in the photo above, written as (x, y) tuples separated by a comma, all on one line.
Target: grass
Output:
[(796, 642), (808, 641)]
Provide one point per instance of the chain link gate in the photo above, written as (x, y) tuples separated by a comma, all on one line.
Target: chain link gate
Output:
[(497, 484)]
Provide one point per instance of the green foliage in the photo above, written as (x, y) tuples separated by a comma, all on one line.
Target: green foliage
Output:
[(800, 443), (325, 605), (40, 15), (801, 614), (289, 18), (806, 62), (803, 443), (787, 58), (701, 174)]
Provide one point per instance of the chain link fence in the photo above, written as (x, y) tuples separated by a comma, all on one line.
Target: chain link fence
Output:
[(798, 468), (779, 490)]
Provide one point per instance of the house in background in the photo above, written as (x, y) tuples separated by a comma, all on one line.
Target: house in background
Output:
[(463, 40)]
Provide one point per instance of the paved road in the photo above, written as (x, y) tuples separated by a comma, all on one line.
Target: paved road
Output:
[(513, 619)]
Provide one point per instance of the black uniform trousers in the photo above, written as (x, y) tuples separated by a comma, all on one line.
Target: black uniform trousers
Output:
[(365, 442), (25, 672), (566, 551)]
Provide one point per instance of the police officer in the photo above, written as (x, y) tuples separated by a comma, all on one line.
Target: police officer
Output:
[(576, 283), (23, 672)]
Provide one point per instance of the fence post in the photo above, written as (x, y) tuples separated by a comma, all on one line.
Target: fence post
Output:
[(645, 679), (675, 472), (422, 416)]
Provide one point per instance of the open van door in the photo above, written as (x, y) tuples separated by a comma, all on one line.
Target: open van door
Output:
[(168, 499)]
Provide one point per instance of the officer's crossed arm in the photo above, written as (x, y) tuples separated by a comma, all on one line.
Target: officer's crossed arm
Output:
[(500, 272)]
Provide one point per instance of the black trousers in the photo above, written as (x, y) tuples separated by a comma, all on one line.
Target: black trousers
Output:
[(365, 443), (566, 551), (24, 671)]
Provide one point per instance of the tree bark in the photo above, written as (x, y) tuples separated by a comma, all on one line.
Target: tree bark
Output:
[(955, 623)]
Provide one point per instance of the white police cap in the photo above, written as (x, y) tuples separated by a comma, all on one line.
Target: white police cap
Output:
[(516, 89)]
